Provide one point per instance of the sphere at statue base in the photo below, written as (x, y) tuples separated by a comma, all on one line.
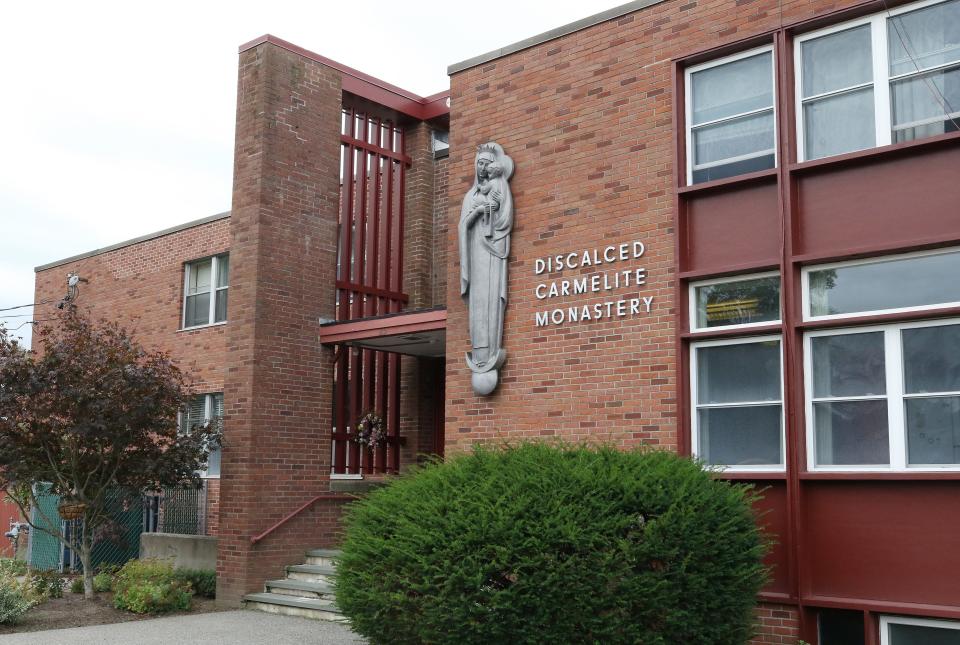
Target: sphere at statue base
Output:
[(484, 382)]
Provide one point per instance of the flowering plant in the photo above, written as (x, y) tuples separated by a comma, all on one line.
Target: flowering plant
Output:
[(371, 430)]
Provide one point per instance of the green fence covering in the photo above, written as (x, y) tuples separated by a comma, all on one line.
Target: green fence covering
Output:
[(175, 510)]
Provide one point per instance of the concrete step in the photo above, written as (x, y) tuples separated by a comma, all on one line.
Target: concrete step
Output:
[(300, 588), (323, 557), (290, 606), (311, 573)]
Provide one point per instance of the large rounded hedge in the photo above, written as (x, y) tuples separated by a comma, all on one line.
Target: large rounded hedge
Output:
[(549, 544)]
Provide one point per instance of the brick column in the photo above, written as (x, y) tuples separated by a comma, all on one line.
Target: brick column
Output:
[(277, 394)]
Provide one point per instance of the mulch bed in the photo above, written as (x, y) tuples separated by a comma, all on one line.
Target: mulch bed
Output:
[(73, 611)]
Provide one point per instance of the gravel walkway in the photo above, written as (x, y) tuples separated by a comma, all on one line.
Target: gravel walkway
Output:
[(216, 628)]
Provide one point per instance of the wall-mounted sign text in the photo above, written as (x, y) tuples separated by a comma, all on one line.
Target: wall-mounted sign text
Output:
[(608, 278)]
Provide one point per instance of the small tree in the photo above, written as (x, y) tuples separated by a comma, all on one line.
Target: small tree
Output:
[(91, 412)]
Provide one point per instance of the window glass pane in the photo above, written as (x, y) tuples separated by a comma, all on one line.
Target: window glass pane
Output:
[(925, 105), (198, 310), (836, 61), (922, 635), (218, 405), (924, 38), (196, 406), (740, 436), (220, 314), (733, 168), (851, 433), (735, 373), (839, 123), (732, 88), (931, 359), (840, 627), (199, 277), (741, 137), (213, 463), (848, 365), (223, 270), (890, 284), (933, 430), (739, 302)]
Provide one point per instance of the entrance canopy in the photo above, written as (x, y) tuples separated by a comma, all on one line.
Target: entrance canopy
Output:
[(414, 333)]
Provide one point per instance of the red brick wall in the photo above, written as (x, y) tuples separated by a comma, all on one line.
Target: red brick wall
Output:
[(587, 119), (440, 229), (777, 625), (140, 286), (278, 392)]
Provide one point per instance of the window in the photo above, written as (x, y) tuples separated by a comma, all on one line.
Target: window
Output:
[(840, 627), (730, 116), (735, 302), (201, 409), (441, 141), (914, 281), (737, 398), (884, 79), (885, 397), (205, 291), (896, 630)]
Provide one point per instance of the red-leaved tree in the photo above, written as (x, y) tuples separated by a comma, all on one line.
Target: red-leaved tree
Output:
[(91, 412)]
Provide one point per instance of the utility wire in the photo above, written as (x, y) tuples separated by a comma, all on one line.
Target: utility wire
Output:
[(27, 322), (32, 304)]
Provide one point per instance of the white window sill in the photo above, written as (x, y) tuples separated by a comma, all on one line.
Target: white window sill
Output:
[(196, 327), (346, 476)]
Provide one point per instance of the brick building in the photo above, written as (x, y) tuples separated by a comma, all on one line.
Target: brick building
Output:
[(736, 237)]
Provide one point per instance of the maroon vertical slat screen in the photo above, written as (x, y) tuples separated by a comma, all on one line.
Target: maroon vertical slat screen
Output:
[(369, 283)]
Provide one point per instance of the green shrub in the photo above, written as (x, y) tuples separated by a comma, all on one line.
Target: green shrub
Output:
[(12, 567), (15, 600), (547, 544), (48, 584), (202, 581), (76, 585), (149, 586), (102, 582)]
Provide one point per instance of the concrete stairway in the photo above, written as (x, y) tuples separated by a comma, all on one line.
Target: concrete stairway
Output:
[(307, 591)]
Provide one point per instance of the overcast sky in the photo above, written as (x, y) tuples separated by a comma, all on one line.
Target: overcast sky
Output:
[(119, 117)]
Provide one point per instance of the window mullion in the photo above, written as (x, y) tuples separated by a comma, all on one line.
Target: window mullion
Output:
[(881, 80), (186, 294), (895, 416), (214, 269)]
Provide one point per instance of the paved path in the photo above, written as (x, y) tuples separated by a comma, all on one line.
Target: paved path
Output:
[(214, 628)]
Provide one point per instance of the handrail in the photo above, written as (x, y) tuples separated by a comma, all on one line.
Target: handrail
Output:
[(333, 497)]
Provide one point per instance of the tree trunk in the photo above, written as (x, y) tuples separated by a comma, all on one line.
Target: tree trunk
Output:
[(86, 547)]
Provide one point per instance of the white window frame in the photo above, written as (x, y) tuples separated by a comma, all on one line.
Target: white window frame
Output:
[(886, 621), (688, 109), (214, 290), (895, 397), (692, 300), (805, 286), (880, 81), (207, 416), (694, 406)]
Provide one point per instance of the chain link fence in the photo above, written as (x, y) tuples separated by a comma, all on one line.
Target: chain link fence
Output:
[(172, 510)]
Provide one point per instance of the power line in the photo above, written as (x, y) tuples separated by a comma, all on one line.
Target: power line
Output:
[(27, 322), (32, 304)]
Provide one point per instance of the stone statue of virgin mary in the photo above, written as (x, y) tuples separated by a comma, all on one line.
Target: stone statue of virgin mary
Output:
[(486, 220)]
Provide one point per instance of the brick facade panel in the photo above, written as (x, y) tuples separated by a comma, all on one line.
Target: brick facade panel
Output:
[(588, 120)]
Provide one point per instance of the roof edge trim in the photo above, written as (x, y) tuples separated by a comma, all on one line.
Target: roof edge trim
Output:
[(136, 240), (553, 34)]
